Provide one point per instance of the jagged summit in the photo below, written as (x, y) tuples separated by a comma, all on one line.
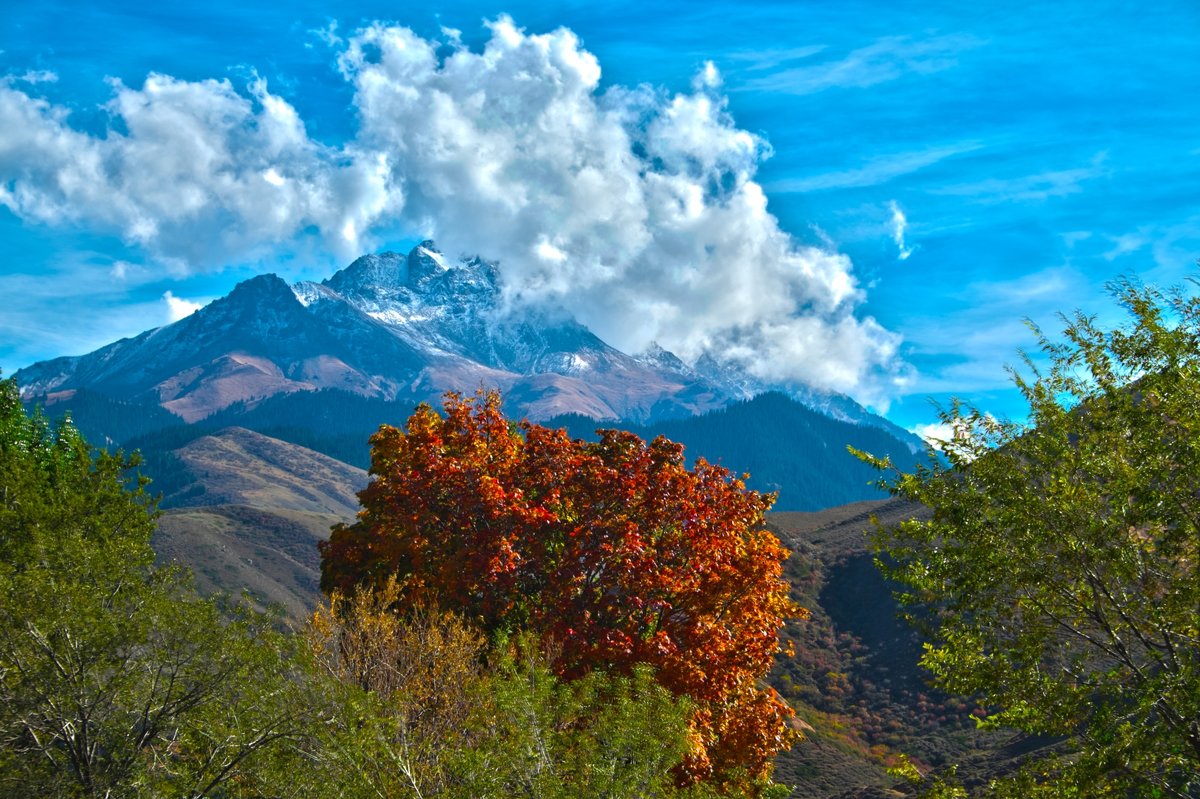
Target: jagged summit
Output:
[(388, 326), (268, 287), (266, 303), (453, 306), (398, 326), (425, 262), (423, 272), (387, 270), (656, 356)]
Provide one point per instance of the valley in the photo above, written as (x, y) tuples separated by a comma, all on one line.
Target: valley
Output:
[(253, 417), (254, 508)]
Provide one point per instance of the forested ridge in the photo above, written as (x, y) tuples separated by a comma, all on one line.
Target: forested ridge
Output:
[(784, 446)]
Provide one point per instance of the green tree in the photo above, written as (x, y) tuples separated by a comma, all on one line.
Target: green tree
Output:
[(420, 705), (1060, 570), (115, 680)]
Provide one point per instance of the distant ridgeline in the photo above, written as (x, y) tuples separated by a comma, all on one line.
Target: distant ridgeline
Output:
[(784, 445), (322, 365)]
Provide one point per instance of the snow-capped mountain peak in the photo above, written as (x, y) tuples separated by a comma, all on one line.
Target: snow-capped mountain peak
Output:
[(397, 326), (390, 326)]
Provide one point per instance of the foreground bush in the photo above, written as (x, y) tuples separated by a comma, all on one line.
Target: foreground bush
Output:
[(115, 680), (421, 707)]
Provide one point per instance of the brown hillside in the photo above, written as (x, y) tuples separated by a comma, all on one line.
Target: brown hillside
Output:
[(270, 552), (253, 516), (241, 467)]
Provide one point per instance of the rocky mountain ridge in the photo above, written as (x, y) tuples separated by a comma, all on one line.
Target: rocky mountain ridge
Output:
[(402, 327), (387, 326)]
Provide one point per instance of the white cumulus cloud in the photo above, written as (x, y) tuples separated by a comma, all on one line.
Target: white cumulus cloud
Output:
[(636, 209), (194, 171), (179, 308)]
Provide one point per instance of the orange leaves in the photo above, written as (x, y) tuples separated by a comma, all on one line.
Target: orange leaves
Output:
[(614, 550)]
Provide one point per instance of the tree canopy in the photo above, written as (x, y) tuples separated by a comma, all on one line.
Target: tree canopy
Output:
[(613, 551), (114, 679), (1060, 571)]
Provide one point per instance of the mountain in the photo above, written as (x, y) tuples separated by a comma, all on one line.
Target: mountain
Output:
[(785, 446), (401, 329), (322, 365), (388, 327)]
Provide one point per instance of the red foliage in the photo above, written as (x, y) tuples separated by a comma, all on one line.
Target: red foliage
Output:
[(614, 550)]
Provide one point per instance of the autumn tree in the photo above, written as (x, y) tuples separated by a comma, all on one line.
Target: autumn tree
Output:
[(1061, 565), (613, 550)]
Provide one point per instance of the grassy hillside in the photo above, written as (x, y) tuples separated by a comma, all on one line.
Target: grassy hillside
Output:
[(269, 552), (240, 467), (248, 512)]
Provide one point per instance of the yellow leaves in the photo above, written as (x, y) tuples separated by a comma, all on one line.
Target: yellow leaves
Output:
[(425, 658)]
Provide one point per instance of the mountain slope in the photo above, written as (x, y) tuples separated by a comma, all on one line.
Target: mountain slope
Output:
[(387, 327), (269, 552), (256, 342), (785, 446), (855, 678), (240, 467), (323, 364)]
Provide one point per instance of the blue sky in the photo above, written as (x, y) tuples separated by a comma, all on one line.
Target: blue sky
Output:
[(932, 173)]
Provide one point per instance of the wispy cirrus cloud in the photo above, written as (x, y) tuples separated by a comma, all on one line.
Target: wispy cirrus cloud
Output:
[(769, 58), (33, 76), (1029, 188), (102, 307), (876, 171), (884, 60)]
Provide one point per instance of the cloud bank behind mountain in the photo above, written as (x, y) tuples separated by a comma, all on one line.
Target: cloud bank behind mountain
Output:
[(634, 208)]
